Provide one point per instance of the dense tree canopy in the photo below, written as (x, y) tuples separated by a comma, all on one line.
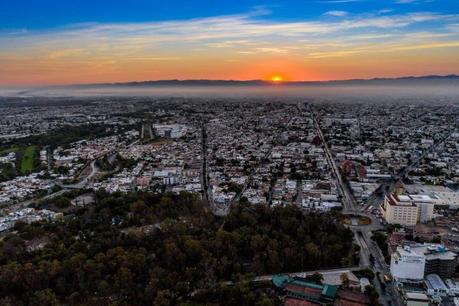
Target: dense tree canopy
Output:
[(146, 249)]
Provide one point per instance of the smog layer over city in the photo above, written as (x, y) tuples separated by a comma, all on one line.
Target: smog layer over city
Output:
[(229, 152)]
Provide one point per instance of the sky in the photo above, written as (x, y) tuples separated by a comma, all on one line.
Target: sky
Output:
[(47, 42)]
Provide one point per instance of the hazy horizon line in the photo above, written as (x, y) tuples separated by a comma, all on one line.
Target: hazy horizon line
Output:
[(261, 81)]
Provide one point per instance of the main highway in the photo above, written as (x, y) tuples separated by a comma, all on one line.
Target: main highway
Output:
[(370, 254)]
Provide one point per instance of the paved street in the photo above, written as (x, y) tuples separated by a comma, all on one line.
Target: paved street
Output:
[(362, 235)]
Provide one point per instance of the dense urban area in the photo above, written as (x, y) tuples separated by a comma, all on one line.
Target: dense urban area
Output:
[(234, 201)]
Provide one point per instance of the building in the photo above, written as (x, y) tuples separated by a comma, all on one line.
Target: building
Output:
[(395, 239), (435, 286), (170, 130), (425, 204), (440, 261), (407, 210), (428, 233), (302, 289), (414, 261), (440, 194), (452, 287), (415, 299), (407, 264)]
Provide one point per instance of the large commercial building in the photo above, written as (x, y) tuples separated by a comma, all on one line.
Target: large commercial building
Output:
[(439, 194), (407, 210), (414, 261), (170, 130), (407, 263)]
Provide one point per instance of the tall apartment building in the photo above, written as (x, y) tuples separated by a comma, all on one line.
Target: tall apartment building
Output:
[(407, 209)]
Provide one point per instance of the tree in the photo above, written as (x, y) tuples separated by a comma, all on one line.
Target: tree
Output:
[(367, 273), (94, 255), (344, 280), (372, 294), (266, 302), (44, 298), (316, 278), (163, 298)]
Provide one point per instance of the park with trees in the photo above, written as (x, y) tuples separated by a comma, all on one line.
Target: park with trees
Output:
[(165, 249)]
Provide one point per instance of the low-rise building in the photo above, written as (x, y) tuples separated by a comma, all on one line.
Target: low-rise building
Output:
[(435, 286), (416, 299)]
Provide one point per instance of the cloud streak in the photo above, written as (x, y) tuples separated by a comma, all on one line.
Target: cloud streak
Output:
[(336, 13)]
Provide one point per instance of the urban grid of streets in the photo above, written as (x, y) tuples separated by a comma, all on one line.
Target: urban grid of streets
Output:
[(260, 152)]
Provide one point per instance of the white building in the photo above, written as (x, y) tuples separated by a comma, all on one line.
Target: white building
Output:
[(413, 261), (170, 130), (407, 264)]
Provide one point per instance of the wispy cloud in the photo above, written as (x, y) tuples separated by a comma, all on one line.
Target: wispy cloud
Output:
[(405, 1), (336, 13), (385, 11)]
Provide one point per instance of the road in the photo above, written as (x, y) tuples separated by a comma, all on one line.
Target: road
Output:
[(84, 182), (207, 196), (262, 278), (362, 235), (65, 188), (26, 203), (348, 201)]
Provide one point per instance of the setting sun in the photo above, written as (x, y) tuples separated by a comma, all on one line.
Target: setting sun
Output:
[(277, 78)]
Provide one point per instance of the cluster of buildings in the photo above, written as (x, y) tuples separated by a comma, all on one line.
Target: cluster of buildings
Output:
[(425, 271), (373, 142), (440, 167), (27, 215), (23, 187), (172, 161), (418, 204), (31, 116), (9, 157), (273, 156), (266, 152), (301, 290), (78, 154), (123, 181)]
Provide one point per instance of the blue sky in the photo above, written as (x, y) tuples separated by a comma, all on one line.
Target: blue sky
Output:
[(42, 14), (82, 41)]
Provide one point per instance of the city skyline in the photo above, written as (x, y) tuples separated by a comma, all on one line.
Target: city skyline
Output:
[(47, 42)]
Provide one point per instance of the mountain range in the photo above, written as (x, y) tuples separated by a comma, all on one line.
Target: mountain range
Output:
[(205, 82)]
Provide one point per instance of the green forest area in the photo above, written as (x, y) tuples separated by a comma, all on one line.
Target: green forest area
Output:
[(146, 249)]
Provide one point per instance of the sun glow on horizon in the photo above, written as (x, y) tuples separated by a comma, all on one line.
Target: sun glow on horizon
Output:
[(277, 78)]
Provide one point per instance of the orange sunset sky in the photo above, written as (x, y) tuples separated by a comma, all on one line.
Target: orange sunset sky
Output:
[(336, 40)]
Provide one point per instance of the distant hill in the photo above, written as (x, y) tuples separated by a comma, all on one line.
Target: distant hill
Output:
[(204, 82)]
